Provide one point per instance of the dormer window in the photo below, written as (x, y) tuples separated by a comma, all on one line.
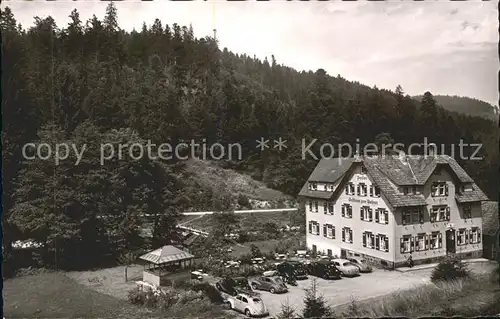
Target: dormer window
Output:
[(466, 187), (313, 186), (409, 190), (439, 189)]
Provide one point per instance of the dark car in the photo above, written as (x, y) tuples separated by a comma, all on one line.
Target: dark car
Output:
[(272, 284), (324, 269), (233, 286), (291, 270)]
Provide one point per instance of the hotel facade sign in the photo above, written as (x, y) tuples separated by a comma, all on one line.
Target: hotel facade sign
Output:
[(363, 201)]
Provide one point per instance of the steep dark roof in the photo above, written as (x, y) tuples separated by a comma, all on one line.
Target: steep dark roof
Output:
[(475, 195), (329, 170), (389, 172), (390, 191), (490, 218), (190, 239)]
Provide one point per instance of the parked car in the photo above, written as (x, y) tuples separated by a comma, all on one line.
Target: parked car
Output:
[(233, 286), (325, 269), (292, 270), (361, 264), (250, 305), (272, 284), (346, 267), (198, 274)]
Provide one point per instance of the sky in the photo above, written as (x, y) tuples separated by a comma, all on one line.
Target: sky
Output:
[(439, 46)]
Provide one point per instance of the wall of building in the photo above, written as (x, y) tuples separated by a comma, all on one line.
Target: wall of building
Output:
[(357, 225), (151, 278), (456, 219)]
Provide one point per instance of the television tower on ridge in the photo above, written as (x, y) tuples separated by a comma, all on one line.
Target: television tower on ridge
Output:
[(215, 29)]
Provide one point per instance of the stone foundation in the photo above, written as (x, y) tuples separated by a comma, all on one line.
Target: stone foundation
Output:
[(435, 260), (386, 264)]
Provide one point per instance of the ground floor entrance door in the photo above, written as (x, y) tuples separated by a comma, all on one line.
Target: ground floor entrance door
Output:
[(451, 247), (315, 250), (343, 253)]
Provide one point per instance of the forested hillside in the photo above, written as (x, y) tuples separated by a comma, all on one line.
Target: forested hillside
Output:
[(91, 82), (466, 105)]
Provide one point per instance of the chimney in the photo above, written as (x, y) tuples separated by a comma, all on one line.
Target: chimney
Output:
[(431, 150), (402, 156)]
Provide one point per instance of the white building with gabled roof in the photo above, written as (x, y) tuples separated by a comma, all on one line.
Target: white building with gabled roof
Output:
[(385, 207)]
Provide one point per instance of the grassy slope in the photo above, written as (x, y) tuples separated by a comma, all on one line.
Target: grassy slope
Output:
[(73, 295), (54, 295), (226, 180), (210, 175), (249, 222)]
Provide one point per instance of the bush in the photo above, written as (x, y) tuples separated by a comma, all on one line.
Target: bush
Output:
[(246, 259), (243, 201), (255, 251), (287, 311), (137, 297), (315, 306), (268, 255), (144, 298), (450, 268)]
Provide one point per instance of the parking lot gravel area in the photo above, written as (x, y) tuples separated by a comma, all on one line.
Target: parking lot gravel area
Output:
[(371, 285), (338, 292)]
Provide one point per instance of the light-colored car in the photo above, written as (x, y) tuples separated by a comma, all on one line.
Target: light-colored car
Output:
[(346, 267), (361, 264), (248, 304)]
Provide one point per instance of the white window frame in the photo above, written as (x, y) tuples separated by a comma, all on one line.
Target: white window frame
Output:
[(439, 189), (315, 227), (347, 233), (315, 206), (420, 242), (475, 235), (382, 216), (440, 213), (407, 244), (347, 211), (369, 239), (362, 190), (383, 241), (366, 213), (329, 208), (313, 186), (330, 231), (435, 240), (462, 237), (350, 189)]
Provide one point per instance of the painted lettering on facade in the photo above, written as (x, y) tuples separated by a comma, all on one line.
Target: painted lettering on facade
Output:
[(363, 201)]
